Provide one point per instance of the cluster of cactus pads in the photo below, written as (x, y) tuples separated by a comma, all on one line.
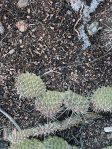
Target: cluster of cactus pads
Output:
[(49, 102), (49, 143)]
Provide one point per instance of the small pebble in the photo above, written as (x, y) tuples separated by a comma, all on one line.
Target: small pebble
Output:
[(22, 3), (22, 26), (1, 29), (11, 51), (28, 10), (20, 41), (108, 129)]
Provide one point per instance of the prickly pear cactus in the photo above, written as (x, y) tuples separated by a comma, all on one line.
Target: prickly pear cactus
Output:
[(28, 144), (29, 85), (76, 102), (50, 104), (102, 99), (56, 143)]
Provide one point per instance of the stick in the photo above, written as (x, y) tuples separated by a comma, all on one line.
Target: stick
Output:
[(11, 119)]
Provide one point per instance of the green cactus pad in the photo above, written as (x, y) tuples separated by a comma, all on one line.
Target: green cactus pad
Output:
[(28, 144), (50, 103), (56, 143), (29, 85), (102, 99), (50, 143), (76, 102)]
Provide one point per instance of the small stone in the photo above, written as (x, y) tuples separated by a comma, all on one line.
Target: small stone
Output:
[(20, 41), (22, 3), (22, 26), (51, 27), (11, 51), (69, 12), (28, 10), (108, 129), (93, 28), (1, 29)]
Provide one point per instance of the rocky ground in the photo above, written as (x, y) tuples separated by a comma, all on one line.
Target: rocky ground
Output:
[(48, 46)]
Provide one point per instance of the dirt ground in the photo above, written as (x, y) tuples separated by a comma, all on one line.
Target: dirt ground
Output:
[(51, 44)]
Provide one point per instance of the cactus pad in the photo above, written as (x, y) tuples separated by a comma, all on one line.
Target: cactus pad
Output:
[(56, 143), (50, 103), (28, 144), (76, 102), (102, 99), (29, 85)]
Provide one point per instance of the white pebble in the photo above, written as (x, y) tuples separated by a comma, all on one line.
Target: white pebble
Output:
[(22, 3), (1, 29), (108, 129), (11, 51)]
